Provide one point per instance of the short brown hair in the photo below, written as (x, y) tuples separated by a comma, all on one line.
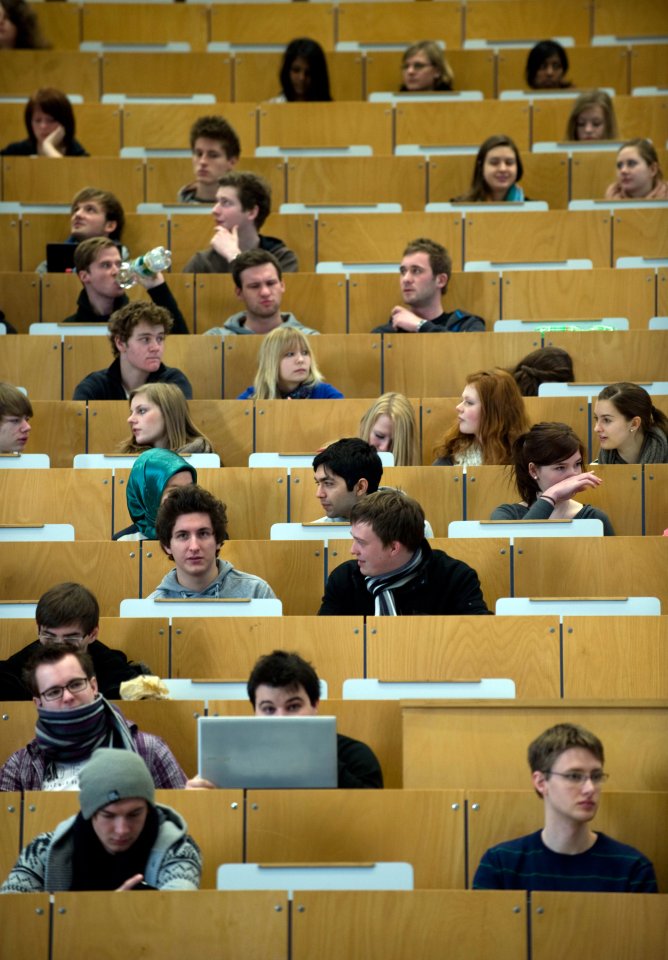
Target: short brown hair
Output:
[(54, 653), (547, 748), (68, 603), (89, 250), (252, 190), (439, 258), (216, 128), (13, 403), (112, 206), (392, 516), (252, 258), (122, 322), (190, 499)]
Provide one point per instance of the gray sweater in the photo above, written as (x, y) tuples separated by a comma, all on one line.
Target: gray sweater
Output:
[(228, 585), (542, 510), (236, 324)]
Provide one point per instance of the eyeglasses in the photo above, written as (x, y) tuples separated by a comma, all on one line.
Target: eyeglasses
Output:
[(74, 686), (578, 777), (45, 637), (416, 65)]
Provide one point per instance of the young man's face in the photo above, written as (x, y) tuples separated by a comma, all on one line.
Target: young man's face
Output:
[(228, 212), (119, 824), (52, 678), (193, 546), (261, 290), (420, 287), (334, 496), (89, 219), (373, 557), (101, 276), (570, 802), (283, 702), (14, 432), (70, 633), (144, 347), (210, 160)]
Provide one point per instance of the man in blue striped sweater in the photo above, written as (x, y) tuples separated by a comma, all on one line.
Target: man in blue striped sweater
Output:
[(566, 764)]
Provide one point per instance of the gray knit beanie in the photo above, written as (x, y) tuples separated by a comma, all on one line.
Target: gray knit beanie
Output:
[(112, 775)]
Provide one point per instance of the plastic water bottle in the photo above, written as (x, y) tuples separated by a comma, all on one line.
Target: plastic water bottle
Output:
[(145, 266)]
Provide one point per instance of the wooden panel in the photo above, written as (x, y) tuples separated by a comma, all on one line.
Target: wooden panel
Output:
[(230, 923), (256, 74), (626, 660), (435, 366), (462, 124), (633, 818), (588, 67), (467, 648), (175, 721), (24, 926), (640, 233), (656, 480), (620, 496), (59, 429), (109, 570), (10, 247), (166, 175), (662, 292), (549, 295), (553, 235), (439, 492), (34, 177), (141, 74), (490, 558), (526, 20), (294, 569), (60, 25), (326, 125), (33, 363), (335, 646), (267, 23), (19, 296), (79, 497), (381, 237), (648, 64), (310, 426), (190, 234), (476, 745), (348, 180), (616, 354), (546, 178), (18, 722), (473, 69), (644, 20), (167, 126), (375, 722), (351, 364), (625, 926), (373, 295), (591, 567), (101, 22), (67, 70), (10, 833), (423, 827), (398, 22), (391, 925), (317, 300)]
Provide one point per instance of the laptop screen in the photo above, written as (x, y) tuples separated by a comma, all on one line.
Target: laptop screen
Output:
[(268, 752)]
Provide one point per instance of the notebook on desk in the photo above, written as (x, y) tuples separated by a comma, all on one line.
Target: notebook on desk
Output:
[(268, 752)]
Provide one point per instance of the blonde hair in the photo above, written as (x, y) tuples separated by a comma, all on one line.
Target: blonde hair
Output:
[(179, 427), (436, 57), (404, 445), (593, 98), (275, 346)]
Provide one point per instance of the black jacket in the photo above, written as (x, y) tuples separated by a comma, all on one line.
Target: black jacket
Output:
[(456, 322), (444, 586), (358, 765), (28, 148), (107, 384), (161, 296)]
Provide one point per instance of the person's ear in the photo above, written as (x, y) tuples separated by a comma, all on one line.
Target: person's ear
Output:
[(238, 292), (121, 345), (635, 424), (442, 280), (252, 213), (361, 488), (539, 781), (110, 226), (166, 550)]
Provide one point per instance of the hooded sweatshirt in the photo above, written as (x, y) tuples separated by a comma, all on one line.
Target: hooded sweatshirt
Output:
[(229, 584), (237, 324)]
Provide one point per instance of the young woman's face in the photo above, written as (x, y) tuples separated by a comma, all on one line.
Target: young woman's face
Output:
[(548, 475), (42, 124), (8, 31), (611, 427), (549, 74), (300, 78), (293, 369), (147, 422), (590, 124), (419, 73), (382, 433), (469, 411), (634, 174), (499, 171)]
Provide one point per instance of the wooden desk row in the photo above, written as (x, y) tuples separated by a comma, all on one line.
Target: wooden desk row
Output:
[(499, 237), (550, 567)]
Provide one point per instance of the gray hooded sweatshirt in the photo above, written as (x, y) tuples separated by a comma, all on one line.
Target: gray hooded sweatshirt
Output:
[(237, 324), (228, 585)]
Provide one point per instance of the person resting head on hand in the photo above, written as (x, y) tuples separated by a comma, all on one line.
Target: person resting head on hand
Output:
[(50, 125)]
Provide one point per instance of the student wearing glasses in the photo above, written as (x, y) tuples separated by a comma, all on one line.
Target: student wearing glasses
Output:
[(566, 764), (424, 69), (73, 720)]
